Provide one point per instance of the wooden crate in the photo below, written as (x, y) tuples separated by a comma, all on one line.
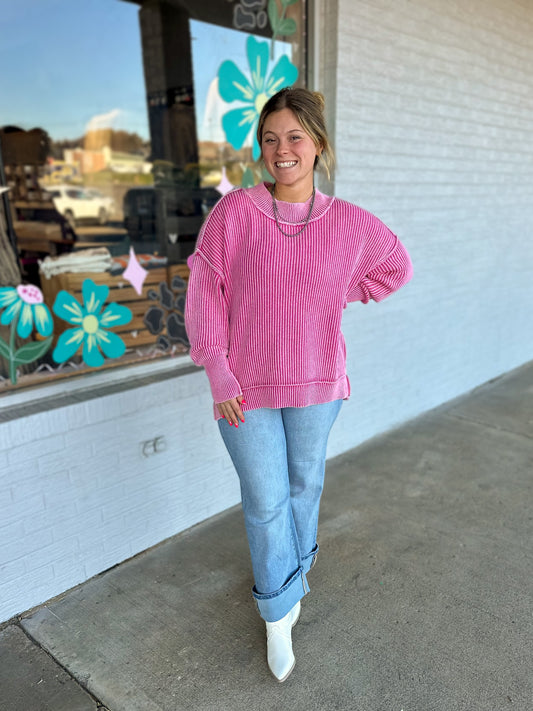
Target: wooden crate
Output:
[(134, 334), (181, 270)]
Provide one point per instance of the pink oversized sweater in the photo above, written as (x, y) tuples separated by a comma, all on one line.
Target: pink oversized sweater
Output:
[(264, 310)]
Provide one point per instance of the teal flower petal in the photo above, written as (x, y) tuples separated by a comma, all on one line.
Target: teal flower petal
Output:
[(25, 324), (68, 308), (256, 150), (115, 315), (43, 319), (232, 84), (112, 345), (237, 124), (91, 355), (258, 60), (11, 312), (8, 295), (93, 296), (67, 344), (284, 74)]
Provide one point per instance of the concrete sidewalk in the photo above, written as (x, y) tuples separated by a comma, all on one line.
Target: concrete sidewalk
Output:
[(421, 598)]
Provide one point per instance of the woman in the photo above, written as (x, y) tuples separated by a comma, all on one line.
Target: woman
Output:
[(273, 269)]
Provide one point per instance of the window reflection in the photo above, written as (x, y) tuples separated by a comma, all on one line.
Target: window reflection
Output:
[(127, 136)]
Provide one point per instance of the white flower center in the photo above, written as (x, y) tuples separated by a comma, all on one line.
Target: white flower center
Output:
[(90, 324)]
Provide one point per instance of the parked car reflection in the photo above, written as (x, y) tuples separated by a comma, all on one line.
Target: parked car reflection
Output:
[(81, 204)]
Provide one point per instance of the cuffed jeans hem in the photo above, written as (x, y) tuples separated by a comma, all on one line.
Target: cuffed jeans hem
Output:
[(275, 605), (309, 560)]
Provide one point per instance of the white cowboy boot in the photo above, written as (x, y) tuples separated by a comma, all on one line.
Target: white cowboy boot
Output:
[(279, 644)]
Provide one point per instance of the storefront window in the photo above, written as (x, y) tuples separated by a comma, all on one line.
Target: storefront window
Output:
[(122, 122)]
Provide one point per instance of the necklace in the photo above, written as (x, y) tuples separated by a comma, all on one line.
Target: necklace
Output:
[(306, 221)]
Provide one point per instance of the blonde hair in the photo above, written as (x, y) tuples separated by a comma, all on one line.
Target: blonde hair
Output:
[(308, 107)]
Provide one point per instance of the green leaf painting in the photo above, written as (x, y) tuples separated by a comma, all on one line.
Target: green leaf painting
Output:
[(5, 351), (281, 26), (32, 351), (248, 178)]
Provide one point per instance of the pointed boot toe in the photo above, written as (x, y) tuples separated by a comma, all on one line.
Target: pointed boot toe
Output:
[(280, 656)]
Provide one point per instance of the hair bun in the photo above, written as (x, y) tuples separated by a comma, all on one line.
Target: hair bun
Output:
[(320, 100)]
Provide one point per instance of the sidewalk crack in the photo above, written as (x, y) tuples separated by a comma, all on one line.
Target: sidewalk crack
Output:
[(99, 706), (489, 425)]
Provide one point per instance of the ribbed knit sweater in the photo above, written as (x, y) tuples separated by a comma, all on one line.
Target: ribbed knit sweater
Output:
[(264, 310)]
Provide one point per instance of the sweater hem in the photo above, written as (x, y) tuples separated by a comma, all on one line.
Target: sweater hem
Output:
[(275, 397)]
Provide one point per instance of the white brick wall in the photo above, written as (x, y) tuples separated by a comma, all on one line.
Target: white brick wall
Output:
[(434, 133), (430, 105), (78, 497)]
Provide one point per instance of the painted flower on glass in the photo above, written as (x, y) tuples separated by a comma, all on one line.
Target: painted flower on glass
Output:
[(24, 310), (24, 304), (168, 314), (90, 325), (233, 85)]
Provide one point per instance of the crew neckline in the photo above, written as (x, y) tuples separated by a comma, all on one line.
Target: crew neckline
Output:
[(289, 212), (270, 187)]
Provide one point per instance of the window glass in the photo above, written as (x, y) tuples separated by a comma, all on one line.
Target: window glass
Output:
[(115, 144)]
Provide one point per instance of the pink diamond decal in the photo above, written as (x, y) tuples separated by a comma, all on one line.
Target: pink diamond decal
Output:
[(134, 273), (224, 186)]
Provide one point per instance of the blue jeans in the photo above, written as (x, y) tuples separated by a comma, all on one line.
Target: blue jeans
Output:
[(280, 458)]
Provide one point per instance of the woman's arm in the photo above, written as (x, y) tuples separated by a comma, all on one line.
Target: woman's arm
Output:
[(207, 324), (386, 269)]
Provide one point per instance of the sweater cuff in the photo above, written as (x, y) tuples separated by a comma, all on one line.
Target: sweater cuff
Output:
[(224, 385), (359, 293)]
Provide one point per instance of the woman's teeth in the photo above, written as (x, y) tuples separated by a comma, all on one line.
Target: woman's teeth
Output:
[(286, 164)]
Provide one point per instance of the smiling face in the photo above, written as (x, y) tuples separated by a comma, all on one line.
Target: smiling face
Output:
[(289, 154)]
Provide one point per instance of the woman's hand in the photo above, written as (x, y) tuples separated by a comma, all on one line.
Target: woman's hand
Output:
[(231, 410)]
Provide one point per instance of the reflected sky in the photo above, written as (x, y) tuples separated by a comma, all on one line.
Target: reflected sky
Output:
[(71, 65), (65, 62)]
